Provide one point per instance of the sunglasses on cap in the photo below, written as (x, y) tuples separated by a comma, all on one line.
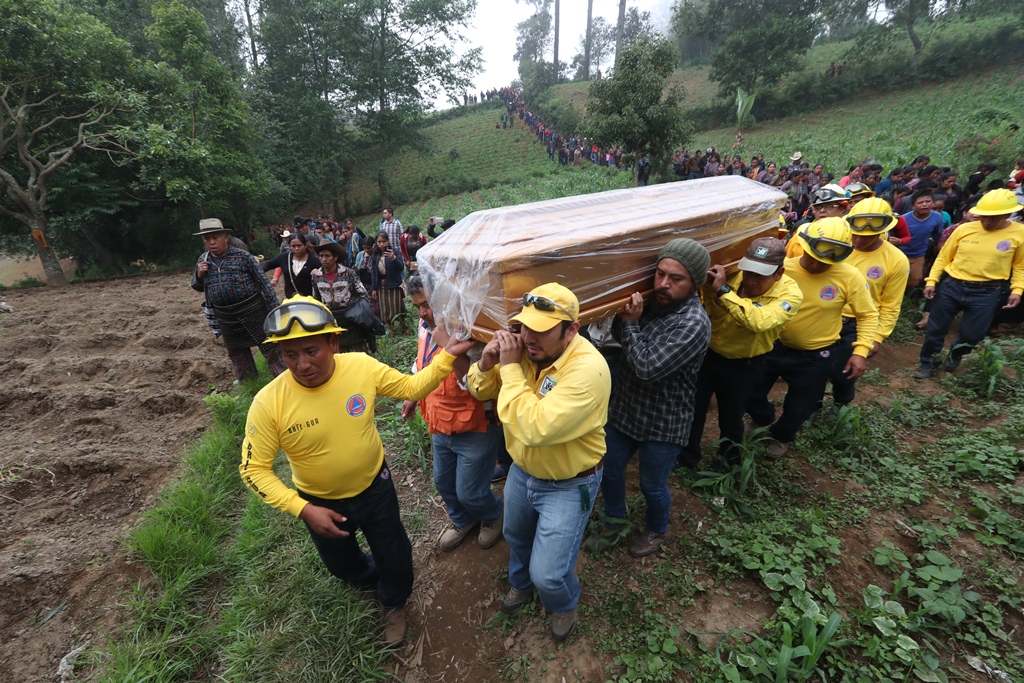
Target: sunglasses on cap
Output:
[(313, 318), (542, 303), (824, 247), (873, 222)]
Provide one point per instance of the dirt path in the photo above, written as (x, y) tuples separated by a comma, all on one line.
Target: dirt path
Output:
[(101, 387)]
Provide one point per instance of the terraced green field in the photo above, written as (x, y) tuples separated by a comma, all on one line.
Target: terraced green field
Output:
[(894, 128), (468, 153)]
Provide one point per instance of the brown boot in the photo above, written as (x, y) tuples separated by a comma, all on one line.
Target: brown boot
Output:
[(645, 543), (490, 532), (395, 626)]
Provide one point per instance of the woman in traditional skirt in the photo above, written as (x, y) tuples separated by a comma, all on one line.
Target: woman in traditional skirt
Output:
[(387, 269), (339, 288)]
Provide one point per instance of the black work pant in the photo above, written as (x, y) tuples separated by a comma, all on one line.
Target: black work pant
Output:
[(806, 373), (844, 389), (732, 381), (375, 512)]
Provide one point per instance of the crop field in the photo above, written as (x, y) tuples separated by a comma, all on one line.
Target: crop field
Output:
[(694, 79), (468, 153), (885, 547), (893, 128), (563, 182)]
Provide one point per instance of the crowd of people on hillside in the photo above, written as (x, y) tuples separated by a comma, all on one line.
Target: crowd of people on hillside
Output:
[(563, 149), (558, 409)]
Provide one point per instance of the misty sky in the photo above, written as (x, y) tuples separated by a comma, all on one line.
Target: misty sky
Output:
[(494, 29)]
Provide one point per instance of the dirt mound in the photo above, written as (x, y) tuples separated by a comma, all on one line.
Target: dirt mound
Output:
[(97, 400)]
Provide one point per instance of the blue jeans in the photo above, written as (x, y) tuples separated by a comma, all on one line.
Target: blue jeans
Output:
[(463, 467), (544, 525), (978, 301), (656, 459)]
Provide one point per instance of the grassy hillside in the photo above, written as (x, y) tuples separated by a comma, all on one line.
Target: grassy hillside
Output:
[(938, 120), (694, 79), (468, 153), (558, 183)]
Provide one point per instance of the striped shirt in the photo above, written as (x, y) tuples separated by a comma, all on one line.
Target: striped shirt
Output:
[(653, 393)]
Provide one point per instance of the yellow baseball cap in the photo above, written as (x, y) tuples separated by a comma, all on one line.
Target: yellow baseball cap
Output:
[(546, 306)]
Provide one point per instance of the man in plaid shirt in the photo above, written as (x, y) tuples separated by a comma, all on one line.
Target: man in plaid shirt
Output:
[(651, 406), (391, 225)]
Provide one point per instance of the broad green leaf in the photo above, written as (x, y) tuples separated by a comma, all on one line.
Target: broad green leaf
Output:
[(894, 608), (886, 625), (906, 642)]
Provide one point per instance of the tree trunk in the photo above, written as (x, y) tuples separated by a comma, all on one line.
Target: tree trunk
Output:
[(557, 13), (918, 46), (51, 264), (590, 35), (102, 253), (620, 31), (252, 35)]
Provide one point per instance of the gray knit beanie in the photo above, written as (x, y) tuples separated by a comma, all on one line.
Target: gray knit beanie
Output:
[(694, 257)]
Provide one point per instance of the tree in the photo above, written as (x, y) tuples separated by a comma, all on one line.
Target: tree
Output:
[(757, 57), (402, 56), (65, 92), (200, 151), (533, 35), (302, 96), (757, 41), (588, 39), (620, 31), (634, 109), (602, 42), (636, 25)]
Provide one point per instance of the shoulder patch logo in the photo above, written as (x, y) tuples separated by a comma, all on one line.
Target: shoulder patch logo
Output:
[(875, 272), (828, 293), (1003, 246), (547, 385), (251, 430), (785, 306), (356, 405)]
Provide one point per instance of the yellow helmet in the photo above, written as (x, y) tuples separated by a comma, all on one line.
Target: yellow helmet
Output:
[(299, 316), (871, 216), (997, 203), (859, 190), (828, 240)]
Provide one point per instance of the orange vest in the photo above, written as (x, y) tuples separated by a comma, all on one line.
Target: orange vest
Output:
[(449, 409)]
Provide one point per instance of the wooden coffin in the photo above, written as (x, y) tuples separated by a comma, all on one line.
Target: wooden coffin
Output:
[(602, 246)]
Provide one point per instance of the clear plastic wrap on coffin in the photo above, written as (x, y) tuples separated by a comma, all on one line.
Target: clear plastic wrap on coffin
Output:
[(602, 246)]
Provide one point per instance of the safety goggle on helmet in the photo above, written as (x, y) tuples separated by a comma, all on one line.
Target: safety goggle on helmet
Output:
[(827, 240), (830, 193), (871, 217), (299, 316), (859, 190)]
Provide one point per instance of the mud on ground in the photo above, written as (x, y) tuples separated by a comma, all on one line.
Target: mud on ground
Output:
[(101, 388)]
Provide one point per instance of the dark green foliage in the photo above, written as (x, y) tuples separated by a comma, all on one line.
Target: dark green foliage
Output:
[(634, 109)]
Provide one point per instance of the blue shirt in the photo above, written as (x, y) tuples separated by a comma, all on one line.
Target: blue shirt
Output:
[(920, 232), (883, 187)]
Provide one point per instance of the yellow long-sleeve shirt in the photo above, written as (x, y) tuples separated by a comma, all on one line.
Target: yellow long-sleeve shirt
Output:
[(327, 432), (744, 328), (975, 254), (553, 418), (887, 270), (820, 319)]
